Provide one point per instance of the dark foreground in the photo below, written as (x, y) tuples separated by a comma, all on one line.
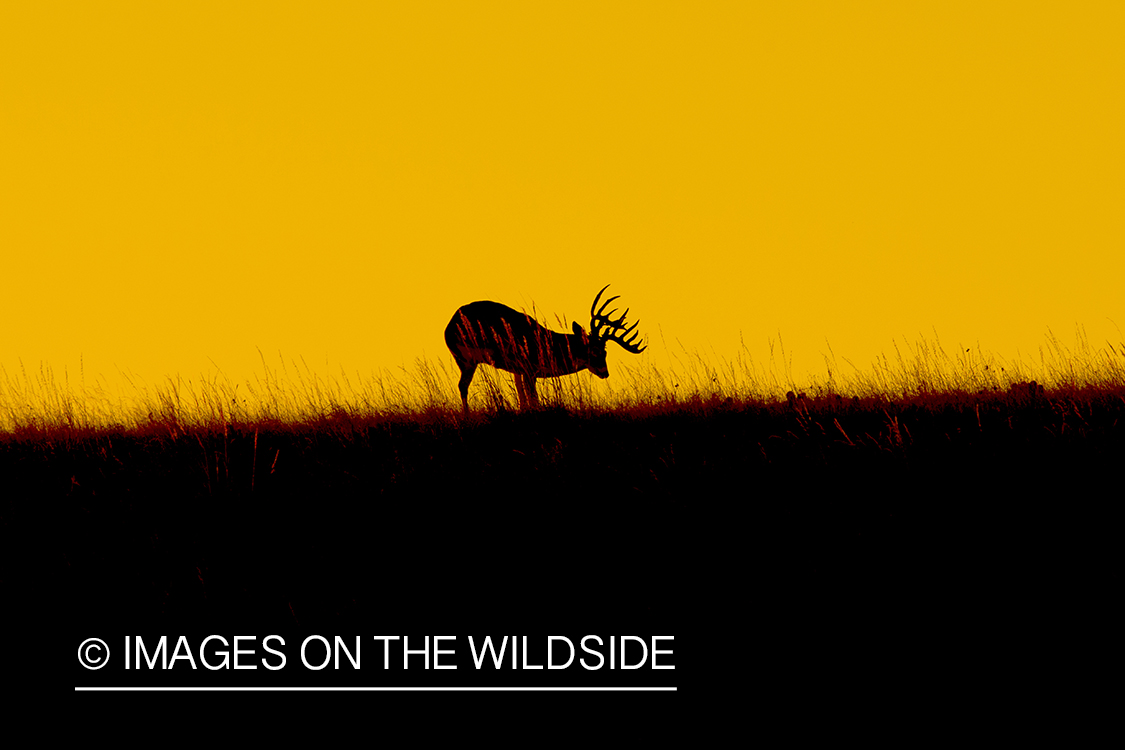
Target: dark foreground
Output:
[(682, 516)]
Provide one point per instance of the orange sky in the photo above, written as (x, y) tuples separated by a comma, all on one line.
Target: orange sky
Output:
[(183, 184)]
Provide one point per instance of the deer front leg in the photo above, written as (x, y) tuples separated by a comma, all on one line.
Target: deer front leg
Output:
[(467, 370)]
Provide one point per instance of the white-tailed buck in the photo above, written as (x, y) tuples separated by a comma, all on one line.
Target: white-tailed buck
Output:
[(494, 334)]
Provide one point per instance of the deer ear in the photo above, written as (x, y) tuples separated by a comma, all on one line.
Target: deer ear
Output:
[(578, 329)]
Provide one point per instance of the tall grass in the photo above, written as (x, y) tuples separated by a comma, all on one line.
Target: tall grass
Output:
[(289, 393)]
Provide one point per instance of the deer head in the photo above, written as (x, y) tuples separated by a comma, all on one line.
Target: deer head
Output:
[(604, 328)]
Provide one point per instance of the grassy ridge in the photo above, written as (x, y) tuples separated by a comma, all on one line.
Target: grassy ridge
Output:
[(41, 403), (535, 515), (647, 511)]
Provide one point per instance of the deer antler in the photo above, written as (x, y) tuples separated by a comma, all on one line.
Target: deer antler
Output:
[(618, 332)]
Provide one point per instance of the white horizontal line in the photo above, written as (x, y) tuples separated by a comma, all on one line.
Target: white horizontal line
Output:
[(392, 689)]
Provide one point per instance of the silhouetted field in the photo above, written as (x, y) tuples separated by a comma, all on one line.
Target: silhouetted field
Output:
[(652, 514)]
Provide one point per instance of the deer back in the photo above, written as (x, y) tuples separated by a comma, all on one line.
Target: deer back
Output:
[(492, 333)]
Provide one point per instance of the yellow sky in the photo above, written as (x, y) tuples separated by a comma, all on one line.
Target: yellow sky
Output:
[(183, 184)]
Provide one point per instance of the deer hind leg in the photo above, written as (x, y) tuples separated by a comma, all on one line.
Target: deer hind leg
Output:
[(467, 371), (521, 390), (529, 385)]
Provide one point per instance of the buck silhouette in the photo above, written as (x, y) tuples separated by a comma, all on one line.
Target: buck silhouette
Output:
[(494, 334)]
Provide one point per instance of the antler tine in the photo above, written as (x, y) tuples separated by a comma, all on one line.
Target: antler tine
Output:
[(618, 332), (596, 298), (601, 310), (619, 321), (628, 343), (626, 330)]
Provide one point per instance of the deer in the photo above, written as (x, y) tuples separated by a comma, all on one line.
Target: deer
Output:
[(490, 333)]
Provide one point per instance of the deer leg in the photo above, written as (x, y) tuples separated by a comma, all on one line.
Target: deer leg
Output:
[(521, 390), (467, 371), (532, 395)]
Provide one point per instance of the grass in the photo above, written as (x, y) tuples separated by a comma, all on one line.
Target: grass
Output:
[(289, 394), (297, 501)]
